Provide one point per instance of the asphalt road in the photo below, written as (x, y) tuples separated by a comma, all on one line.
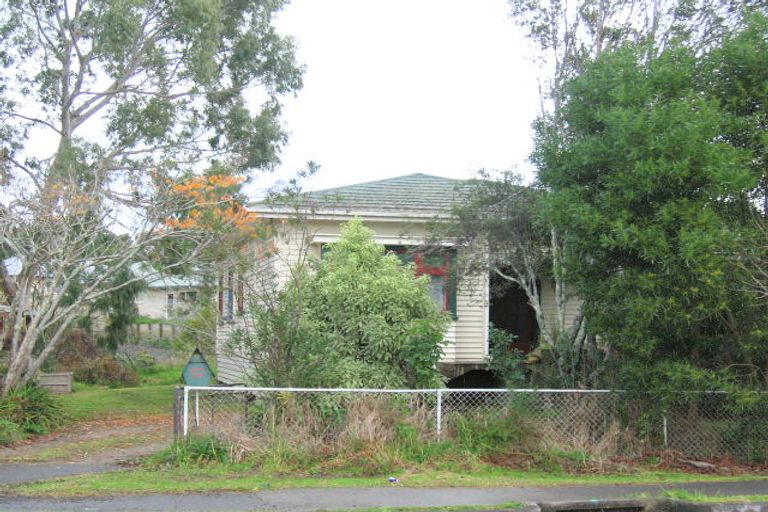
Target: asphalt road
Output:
[(306, 500), (17, 473)]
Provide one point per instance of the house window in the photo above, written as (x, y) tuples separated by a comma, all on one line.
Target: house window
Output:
[(170, 302), (231, 296), (437, 291), (437, 264)]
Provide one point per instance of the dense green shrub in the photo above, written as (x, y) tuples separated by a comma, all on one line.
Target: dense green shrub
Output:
[(376, 313), (507, 363), (28, 410), (654, 165), (105, 371)]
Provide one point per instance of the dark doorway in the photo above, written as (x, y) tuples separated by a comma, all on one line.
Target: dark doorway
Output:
[(510, 311)]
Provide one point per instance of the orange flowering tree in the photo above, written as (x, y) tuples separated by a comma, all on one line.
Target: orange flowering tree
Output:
[(212, 202)]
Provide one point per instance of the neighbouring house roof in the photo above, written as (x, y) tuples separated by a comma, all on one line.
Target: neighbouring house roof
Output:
[(161, 281), (421, 195)]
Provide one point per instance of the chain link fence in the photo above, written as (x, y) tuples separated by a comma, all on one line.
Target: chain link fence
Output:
[(595, 421)]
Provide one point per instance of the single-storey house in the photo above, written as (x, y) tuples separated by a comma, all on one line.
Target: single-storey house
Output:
[(168, 298), (399, 210)]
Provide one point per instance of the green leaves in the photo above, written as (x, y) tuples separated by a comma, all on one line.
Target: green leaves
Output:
[(378, 310), (651, 183)]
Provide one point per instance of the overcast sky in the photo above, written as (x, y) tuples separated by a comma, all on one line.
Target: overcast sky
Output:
[(396, 87)]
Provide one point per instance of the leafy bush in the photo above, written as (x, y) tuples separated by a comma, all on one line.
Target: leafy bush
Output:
[(199, 329), (141, 362), (28, 410), (374, 310), (105, 371), (506, 362)]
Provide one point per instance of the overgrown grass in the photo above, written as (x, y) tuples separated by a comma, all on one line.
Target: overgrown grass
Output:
[(378, 435), (244, 478), (98, 403), (195, 451)]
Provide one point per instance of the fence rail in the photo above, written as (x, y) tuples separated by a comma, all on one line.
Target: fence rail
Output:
[(611, 422)]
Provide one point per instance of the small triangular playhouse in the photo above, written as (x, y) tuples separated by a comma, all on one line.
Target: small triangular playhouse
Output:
[(197, 372)]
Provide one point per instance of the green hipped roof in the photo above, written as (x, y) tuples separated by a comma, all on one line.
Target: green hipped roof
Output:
[(413, 193)]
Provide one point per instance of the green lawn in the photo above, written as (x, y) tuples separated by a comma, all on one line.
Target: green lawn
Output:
[(99, 403), (242, 478), (154, 396), (161, 374)]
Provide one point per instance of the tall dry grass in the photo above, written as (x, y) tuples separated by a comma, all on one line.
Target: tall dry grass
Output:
[(386, 429)]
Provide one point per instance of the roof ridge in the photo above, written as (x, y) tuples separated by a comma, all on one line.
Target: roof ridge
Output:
[(384, 180)]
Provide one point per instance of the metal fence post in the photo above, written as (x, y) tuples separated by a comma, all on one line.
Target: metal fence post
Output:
[(186, 412), (666, 433), (439, 412)]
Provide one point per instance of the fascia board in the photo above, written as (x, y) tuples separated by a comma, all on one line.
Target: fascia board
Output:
[(341, 215)]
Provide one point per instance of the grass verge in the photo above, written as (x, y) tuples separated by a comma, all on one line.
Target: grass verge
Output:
[(511, 505), (682, 494), (243, 478)]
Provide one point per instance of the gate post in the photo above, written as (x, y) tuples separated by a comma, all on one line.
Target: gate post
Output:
[(185, 415), (178, 402)]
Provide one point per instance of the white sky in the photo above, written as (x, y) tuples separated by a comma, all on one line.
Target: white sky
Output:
[(394, 87)]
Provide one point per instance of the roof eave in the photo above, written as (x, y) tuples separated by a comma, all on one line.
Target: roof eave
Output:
[(340, 213)]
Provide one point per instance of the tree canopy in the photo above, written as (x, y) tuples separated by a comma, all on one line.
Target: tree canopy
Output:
[(137, 118), (652, 172)]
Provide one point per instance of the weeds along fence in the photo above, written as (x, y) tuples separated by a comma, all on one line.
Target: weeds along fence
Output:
[(599, 422)]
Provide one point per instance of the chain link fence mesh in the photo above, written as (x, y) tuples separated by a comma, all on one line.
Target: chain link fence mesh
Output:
[(605, 422)]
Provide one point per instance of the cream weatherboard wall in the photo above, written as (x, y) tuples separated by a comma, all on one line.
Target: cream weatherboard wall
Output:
[(232, 365)]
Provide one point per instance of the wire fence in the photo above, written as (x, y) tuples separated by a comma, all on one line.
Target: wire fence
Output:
[(607, 422)]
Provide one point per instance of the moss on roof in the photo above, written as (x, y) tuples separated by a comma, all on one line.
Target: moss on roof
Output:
[(413, 192)]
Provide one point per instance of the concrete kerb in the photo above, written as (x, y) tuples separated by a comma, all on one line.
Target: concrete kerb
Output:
[(644, 505)]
